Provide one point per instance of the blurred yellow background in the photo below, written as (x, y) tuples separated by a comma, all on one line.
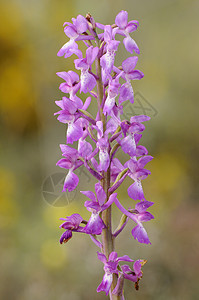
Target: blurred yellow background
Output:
[(33, 264)]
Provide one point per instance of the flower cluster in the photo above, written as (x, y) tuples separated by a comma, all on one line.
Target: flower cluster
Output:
[(108, 86)]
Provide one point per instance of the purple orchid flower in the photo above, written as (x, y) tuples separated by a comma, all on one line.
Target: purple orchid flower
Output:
[(71, 84), (142, 215), (96, 206), (71, 224), (69, 115), (74, 31), (107, 60), (136, 274), (126, 90), (88, 81), (103, 146), (139, 231), (72, 162), (113, 91), (137, 173), (126, 273), (133, 128), (110, 268), (125, 28)]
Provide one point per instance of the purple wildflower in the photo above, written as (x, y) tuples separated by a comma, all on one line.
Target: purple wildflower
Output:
[(96, 205), (107, 60), (71, 84), (110, 268), (72, 161), (113, 91), (74, 31), (142, 215), (88, 81), (137, 173), (103, 146), (70, 115), (125, 28), (126, 91), (71, 224), (131, 131)]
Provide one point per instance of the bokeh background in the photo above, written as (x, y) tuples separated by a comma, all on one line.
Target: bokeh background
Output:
[(32, 263)]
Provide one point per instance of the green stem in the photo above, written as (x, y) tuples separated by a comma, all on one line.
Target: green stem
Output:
[(107, 236)]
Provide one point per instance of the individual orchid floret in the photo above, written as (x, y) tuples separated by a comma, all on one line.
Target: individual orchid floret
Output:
[(136, 274), (96, 205), (74, 31), (71, 224), (110, 268), (107, 60), (116, 168), (125, 28), (137, 173), (71, 84), (126, 273), (69, 115), (113, 91), (104, 157), (139, 231), (103, 146), (131, 131), (126, 90), (87, 79), (142, 215), (72, 161)]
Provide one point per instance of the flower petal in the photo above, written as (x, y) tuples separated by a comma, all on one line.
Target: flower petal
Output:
[(90, 195), (101, 195), (66, 236), (144, 160), (64, 163), (101, 257), (135, 191), (105, 285), (94, 225), (128, 145), (71, 182), (88, 81), (121, 19), (124, 258), (74, 132), (143, 206), (126, 93), (140, 234), (131, 45), (129, 64), (81, 24)]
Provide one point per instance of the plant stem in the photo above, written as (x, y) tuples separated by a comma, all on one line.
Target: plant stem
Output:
[(107, 236)]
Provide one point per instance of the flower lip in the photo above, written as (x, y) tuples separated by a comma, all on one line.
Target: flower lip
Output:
[(66, 236)]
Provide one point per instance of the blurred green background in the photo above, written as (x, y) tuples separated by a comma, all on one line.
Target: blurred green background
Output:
[(32, 263)]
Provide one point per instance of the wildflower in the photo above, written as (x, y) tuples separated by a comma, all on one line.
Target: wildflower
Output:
[(110, 268), (96, 206), (74, 31), (99, 137), (125, 28), (88, 81), (71, 224)]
